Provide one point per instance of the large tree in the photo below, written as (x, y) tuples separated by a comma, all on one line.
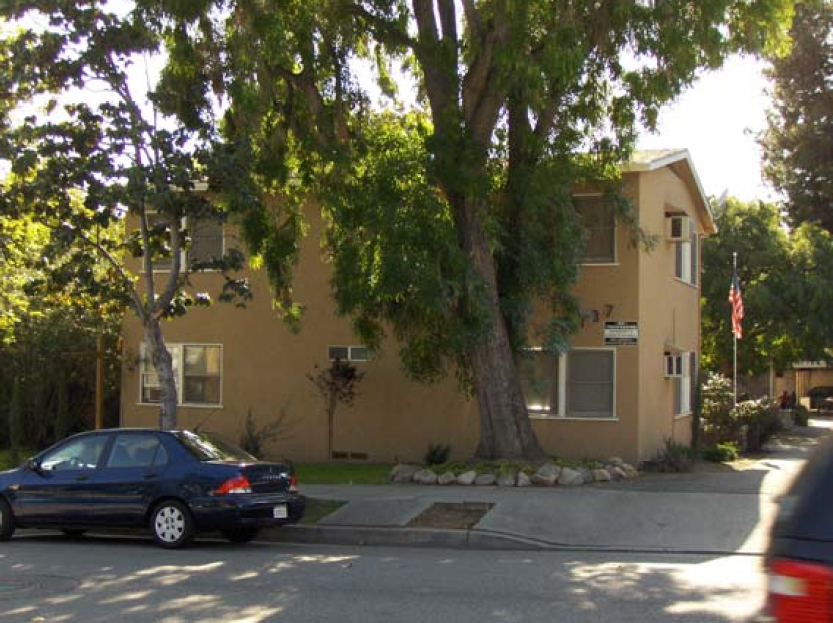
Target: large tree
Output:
[(798, 144), (90, 142), (455, 235), (785, 278)]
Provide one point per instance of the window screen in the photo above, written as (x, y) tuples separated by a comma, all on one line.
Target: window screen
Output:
[(206, 240), (596, 214), (590, 380)]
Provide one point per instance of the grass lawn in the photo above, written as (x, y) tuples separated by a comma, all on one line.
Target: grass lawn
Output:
[(342, 474), (318, 509)]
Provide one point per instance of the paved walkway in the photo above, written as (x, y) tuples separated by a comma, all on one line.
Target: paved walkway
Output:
[(715, 510)]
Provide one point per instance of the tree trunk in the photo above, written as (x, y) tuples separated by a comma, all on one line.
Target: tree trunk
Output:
[(163, 364), (506, 431)]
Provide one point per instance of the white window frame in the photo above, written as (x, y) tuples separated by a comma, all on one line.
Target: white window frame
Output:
[(615, 260), (684, 385), (179, 370), (350, 350), (183, 253), (563, 372), (689, 252)]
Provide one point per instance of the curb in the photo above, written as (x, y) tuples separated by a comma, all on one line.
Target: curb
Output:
[(483, 540), (401, 537)]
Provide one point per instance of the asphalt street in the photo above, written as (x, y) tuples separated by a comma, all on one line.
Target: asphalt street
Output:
[(51, 579)]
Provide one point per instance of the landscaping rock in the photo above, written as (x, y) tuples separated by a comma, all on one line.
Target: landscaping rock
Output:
[(546, 475), (586, 475), (467, 478), (617, 473), (507, 478), (615, 460), (485, 479), (425, 477), (523, 480), (570, 477), (448, 478), (404, 472), (601, 475), (630, 470)]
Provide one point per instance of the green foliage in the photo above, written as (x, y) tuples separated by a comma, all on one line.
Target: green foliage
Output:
[(84, 165), (16, 422), (786, 279), (799, 138), (675, 457), (722, 452), (748, 424), (437, 454), (254, 437), (801, 416)]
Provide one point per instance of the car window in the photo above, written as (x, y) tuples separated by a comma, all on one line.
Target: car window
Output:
[(78, 454), (161, 458), (132, 450), (207, 447)]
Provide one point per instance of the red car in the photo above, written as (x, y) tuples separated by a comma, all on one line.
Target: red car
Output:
[(799, 561)]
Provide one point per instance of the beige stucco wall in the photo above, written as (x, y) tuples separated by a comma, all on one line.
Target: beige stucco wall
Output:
[(670, 312), (394, 418)]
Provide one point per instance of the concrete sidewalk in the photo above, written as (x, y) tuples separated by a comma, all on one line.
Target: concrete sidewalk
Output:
[(713, 511)]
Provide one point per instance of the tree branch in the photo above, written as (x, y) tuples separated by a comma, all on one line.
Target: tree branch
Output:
[(125, 277)]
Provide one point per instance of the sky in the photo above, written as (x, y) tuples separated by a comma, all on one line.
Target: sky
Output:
[(717, 120)]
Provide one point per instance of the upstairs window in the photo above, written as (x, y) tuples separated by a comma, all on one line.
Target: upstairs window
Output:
[(687, 256), (597, 217), (207, 242)]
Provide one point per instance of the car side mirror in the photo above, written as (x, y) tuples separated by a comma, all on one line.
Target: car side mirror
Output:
[(33, 465)]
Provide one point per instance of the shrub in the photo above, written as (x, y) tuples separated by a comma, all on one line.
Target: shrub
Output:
[(716, 409), (760, 419), (718, 453), (675, 457), (253, 438), (801, 416), (437, 454)]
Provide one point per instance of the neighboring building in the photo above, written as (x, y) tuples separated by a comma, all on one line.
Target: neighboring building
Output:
[(624, 387)]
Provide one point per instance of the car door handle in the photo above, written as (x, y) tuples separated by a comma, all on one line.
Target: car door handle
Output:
[(82, 477)]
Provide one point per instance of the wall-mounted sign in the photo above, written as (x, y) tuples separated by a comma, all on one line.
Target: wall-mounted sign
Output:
[(621, 333)]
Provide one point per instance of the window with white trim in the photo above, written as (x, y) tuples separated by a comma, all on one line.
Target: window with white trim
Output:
[(684, 384), (207, 241), (539, 381), (687, 256), (580, 384), (597, 217), (349, 353), (198, 372), (590, 383)]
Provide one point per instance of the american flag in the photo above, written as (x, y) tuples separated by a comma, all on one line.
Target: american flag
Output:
[(736, 299)]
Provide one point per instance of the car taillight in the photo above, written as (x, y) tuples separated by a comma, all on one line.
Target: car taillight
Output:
[(293, 484), (238, 484), (800, 592)]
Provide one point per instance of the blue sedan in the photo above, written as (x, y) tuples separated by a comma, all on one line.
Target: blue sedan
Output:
[(176, 483)]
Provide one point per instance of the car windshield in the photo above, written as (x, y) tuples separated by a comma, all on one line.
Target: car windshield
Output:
[(207, 447)]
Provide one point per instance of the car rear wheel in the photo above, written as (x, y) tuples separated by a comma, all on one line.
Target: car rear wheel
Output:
[(240, 535), (6, 521), (172, 524)]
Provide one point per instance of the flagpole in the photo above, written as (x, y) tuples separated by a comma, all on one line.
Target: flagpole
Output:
[(735, 336)]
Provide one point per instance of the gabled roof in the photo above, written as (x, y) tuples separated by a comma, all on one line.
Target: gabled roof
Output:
[(679, 161)]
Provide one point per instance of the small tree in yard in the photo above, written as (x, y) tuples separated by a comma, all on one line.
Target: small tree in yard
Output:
[(95, 149), (336, 384)]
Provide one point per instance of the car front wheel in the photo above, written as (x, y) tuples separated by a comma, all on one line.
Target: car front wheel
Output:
[(172, 524), (240, 535), (6, 520)]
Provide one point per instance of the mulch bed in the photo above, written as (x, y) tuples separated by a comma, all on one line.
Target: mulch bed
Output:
[(451, 515)]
